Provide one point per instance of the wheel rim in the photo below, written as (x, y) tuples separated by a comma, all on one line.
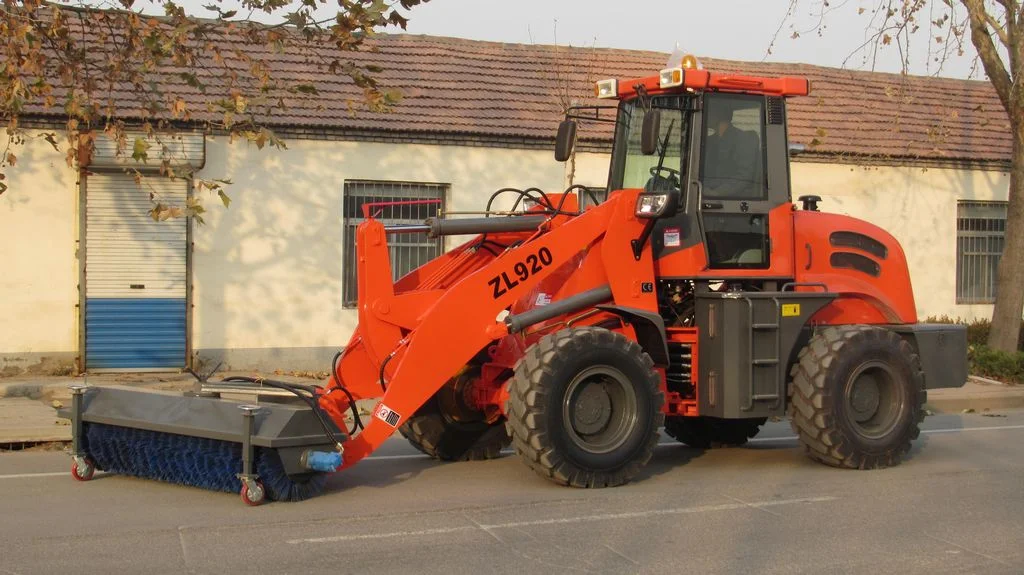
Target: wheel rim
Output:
[(600, 409), (874, 400), (453, 403)]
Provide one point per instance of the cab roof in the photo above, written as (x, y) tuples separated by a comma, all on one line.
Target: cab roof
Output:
[(674, 80)]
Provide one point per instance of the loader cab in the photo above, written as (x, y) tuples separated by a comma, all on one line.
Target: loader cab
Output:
[(725, 153), (721, 148)]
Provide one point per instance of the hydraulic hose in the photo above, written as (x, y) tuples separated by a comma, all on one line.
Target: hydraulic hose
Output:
[(298, 390)]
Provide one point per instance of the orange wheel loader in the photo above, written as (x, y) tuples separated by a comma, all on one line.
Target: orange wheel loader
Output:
[(696, 296)]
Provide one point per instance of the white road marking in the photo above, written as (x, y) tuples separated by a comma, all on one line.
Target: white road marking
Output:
[(408, 456), (421, 532), (32, 475), (508, 451), (767, 439), (929, 431), (993, 428), (568, 520)]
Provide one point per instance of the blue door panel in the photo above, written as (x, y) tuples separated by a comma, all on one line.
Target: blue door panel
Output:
[(124, 333)]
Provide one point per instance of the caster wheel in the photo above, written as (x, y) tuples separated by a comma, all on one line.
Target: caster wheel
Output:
[(253, 493), (83, 469)]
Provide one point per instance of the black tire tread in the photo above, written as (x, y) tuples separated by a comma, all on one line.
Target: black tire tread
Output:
[(810, 400), (526, 414), (430, 434)]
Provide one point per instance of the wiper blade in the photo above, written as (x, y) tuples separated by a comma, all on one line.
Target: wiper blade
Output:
[(664, 144)]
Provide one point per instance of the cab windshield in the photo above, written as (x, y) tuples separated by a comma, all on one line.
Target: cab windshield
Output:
[(662, 170)]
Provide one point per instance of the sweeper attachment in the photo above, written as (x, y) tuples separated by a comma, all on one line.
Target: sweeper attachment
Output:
[(695, 296), (270, 450)]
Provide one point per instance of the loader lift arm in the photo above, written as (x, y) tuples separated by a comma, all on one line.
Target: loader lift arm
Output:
[(415, 334)]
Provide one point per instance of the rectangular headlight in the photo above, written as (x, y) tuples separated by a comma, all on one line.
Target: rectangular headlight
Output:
[(607, 89), (670, 77), (651, 205)]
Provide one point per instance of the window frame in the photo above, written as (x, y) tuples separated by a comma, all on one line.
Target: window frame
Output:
[(387, 191), (623, 123), (711, 99), (964, 234)]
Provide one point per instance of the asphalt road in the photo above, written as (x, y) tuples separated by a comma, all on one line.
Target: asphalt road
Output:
[(957, 506)]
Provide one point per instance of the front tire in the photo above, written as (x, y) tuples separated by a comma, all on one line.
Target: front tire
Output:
[(857, 397), (584, 408)]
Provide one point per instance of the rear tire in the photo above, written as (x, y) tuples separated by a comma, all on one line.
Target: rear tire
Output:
[(712, 432), (857, 397), (584, 408), (441, 437)]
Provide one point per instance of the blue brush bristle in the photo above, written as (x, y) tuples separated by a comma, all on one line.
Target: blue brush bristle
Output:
[(195, 461)]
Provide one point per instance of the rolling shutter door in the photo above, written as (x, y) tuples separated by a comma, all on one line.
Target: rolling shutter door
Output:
[(135, 275)]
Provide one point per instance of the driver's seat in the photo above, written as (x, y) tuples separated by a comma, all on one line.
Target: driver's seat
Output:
[(659, 183), (751, 257)]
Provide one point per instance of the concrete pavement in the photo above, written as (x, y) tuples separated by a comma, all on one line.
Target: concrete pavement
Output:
[(956, 506), (23, 420)]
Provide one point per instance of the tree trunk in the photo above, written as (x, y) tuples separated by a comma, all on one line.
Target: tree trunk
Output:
[(1006, 317)]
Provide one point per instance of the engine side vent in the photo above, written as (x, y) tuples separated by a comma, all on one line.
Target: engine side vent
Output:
[(849, 260), (776, 111), (859, 241)]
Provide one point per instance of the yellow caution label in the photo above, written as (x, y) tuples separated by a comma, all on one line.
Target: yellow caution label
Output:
[(791, 310)]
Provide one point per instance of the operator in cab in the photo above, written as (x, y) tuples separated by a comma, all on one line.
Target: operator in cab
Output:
[(731, 157)]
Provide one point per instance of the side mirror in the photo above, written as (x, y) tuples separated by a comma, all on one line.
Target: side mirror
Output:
[(649, 132), (565, 140)]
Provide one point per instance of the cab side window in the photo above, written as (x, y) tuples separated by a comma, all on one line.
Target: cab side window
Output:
[(733, 156)]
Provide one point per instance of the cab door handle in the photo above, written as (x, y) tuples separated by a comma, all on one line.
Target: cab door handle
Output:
[(711, 205)]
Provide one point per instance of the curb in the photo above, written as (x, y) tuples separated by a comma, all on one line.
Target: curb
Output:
[(30, 390), (987, 402)]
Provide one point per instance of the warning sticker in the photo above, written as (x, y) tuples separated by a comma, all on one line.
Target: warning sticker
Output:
[(791, 310), (385, 413), (671, 237), (543, 299)]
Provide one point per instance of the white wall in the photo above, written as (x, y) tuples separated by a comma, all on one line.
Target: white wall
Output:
[(267, 271), (38, 267), (917, 205), (591, 169)]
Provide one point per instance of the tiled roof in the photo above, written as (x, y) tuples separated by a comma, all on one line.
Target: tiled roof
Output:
[(455, 86)]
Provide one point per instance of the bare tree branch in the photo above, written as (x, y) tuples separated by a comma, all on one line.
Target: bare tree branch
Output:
[(990, 60), (107, 65), (1009, 5), (998, 28)]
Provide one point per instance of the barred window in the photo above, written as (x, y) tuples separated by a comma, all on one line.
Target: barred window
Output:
[(408, 251), (588, 199), (980, 229)]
